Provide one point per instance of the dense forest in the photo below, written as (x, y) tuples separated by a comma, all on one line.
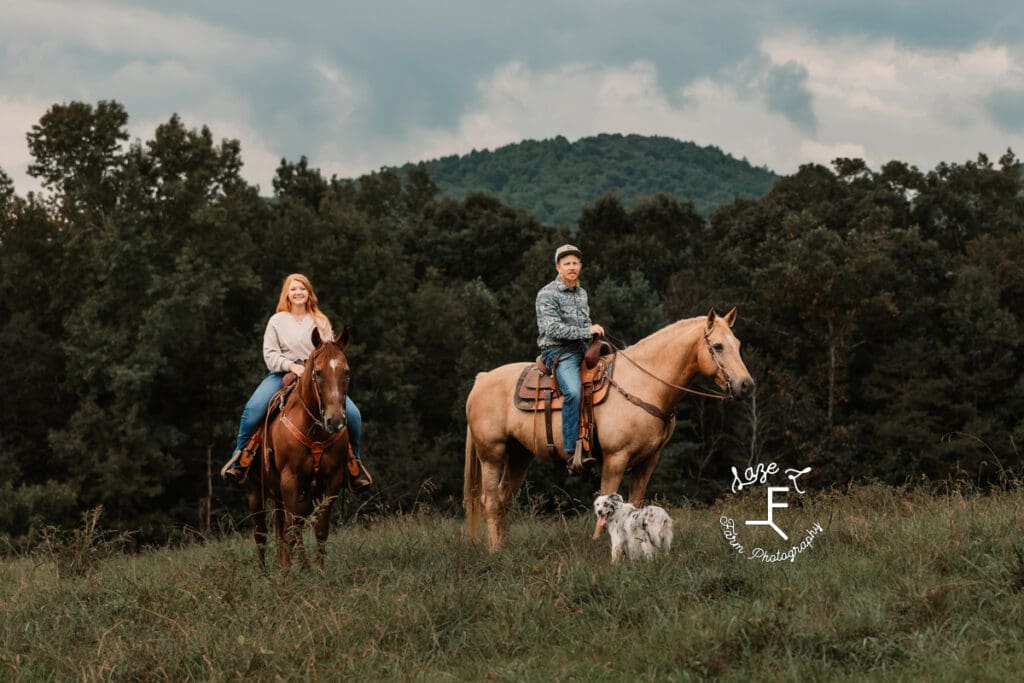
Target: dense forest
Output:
[(880, 312), (554, 179)]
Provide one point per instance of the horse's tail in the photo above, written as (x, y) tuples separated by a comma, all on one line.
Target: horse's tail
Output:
[(471, 490)]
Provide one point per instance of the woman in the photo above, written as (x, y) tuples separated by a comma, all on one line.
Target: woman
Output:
[(287, 342)]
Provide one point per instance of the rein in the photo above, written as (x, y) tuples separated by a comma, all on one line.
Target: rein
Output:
[(722, 396)]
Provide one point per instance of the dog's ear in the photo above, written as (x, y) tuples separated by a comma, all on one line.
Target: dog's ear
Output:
[(617, 498)]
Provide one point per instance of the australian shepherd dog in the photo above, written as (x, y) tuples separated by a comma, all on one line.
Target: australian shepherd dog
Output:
[(642, 531)]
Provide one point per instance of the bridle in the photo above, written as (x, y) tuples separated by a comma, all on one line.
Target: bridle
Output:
[(722, 374), (316, 447), (319, 416)]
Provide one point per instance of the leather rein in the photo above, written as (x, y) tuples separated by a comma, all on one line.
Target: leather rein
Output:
[(654, 410)]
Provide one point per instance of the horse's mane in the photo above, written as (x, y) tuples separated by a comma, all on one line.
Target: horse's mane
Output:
[(671, 328)]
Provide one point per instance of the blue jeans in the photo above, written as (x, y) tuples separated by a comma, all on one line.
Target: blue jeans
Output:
[(256, 408), (570, 381)]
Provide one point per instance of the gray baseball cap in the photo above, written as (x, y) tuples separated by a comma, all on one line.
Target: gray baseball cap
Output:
[(567, 250)]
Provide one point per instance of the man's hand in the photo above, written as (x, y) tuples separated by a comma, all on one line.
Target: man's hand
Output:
[(596, 329)]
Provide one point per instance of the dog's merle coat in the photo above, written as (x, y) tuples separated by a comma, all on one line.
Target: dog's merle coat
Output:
[(642, 531)]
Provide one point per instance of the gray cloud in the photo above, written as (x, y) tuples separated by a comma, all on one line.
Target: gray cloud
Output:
[(1006, 107), (420, 63), (360, 84), (786, 93), (937, 24)]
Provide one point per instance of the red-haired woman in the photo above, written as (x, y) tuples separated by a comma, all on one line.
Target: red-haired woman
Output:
[(287, 343)]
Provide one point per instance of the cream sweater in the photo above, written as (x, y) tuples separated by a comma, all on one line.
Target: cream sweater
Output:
[(287, 341)]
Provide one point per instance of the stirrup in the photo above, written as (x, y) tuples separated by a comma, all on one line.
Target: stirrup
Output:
[(580, 459)]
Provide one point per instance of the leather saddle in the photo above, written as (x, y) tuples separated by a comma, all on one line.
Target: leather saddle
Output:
[(252, 449), (537, 391)]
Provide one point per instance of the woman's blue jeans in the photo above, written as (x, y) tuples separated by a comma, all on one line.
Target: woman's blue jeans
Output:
[(570, 381), (256, 408)]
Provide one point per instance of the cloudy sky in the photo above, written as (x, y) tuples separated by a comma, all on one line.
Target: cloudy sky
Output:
[(356, 86)]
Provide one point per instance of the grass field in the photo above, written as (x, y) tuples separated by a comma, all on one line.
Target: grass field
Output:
[(900, 585)]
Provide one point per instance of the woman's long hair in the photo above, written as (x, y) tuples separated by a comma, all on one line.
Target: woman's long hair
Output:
[(283, 304)]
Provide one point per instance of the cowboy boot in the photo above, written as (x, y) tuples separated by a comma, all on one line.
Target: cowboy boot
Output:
[(232, 471), (361, 480), (358, 476)]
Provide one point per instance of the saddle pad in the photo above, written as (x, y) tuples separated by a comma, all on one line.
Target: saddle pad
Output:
[(532, 385)]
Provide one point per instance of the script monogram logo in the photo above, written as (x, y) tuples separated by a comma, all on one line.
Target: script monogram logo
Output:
[(762, 474)]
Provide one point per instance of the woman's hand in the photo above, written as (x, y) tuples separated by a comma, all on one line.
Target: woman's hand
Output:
[(297, 369), (596, 329)]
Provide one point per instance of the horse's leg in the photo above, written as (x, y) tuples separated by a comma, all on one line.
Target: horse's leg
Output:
[(322, 528), (291, 538), (612, 472), (323, 519), (639, 477), (297, 528), (492, 468), (291, 529), (519, 459), (258, 512), (283, 557)]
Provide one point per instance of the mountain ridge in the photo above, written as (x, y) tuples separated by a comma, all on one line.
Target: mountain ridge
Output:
[(554, 179)]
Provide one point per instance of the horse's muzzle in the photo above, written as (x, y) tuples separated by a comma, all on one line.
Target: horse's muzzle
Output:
[(335, 424), (743, 388)]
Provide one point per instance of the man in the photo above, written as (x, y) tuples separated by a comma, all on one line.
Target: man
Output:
[(563, 319)]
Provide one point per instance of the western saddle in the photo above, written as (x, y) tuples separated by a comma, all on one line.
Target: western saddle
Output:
[(537, 391)]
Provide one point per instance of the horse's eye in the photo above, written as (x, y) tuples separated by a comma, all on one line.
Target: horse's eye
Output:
[(719, 347)]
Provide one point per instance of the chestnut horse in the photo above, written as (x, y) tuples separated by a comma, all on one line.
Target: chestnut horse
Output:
[(502, 440), (305, 452)]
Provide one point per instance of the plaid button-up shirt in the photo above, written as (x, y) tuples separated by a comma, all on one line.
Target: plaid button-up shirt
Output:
[(563, 314)]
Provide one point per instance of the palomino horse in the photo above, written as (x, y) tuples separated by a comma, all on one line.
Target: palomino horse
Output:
[(305, 452), (501, 440)]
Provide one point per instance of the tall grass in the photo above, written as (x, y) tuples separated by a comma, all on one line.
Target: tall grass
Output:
[(900, 586)]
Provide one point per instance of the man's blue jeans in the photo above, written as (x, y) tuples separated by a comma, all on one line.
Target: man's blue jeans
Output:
[(567, 372), (256, 408)]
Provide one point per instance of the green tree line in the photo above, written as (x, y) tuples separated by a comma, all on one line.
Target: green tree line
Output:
[(880, 313), (554, 179)]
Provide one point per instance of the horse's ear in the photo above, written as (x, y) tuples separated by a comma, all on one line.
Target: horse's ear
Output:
[(342, 338), (730, 317), (711, 319), (316, 337)]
